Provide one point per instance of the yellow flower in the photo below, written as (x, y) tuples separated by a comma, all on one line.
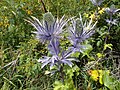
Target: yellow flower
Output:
[(1, 23), (29, 12), (94, 74), (86, 15), (98, 8), (101, 11), (6, 24), (98, 75), (93, 16)]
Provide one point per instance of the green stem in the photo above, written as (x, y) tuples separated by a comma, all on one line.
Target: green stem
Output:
[(62, 74)]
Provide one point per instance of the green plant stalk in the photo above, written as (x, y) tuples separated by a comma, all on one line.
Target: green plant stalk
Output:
[(109, 28), (58, 8), (62, 74), (44, 7)]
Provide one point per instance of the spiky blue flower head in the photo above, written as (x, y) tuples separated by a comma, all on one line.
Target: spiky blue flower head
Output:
[(79, 32), (49, 29), (57, 58), (97, 2), (112, 10), (114, 21)]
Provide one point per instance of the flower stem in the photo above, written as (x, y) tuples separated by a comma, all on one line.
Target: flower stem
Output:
[(62, 74), (109, 28)]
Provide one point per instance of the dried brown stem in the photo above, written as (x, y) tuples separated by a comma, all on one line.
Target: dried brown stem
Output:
[(44, 8)]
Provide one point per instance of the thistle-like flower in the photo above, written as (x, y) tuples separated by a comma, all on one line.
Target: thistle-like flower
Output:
[(80, 32), (49, 29), (112, 10), (57, 58), (114, 21), (96, 2)]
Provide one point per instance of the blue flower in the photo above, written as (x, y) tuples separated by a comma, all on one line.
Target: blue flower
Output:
[(57, 58), (114, 21), (97, 2), (112, 10), (53, 47), (79, 32), (48, 30)]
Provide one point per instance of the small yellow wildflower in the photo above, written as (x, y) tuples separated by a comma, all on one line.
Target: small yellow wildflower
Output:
[(98, 8), (101, 11), (6, 24), (1, 23), (86, 15), (94, 74), (98, 75), (93, 16), (29, 12)]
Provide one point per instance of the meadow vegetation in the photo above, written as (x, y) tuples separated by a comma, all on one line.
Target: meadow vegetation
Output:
[(59, 45)]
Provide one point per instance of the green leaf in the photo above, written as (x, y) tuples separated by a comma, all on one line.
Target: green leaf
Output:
[(108, 81), (108, 46), (99, 55), (5, 86), (99, 43), (117, 85), (76, 54), (49, 18), (9, 81), (87, 48), (58, 85)]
